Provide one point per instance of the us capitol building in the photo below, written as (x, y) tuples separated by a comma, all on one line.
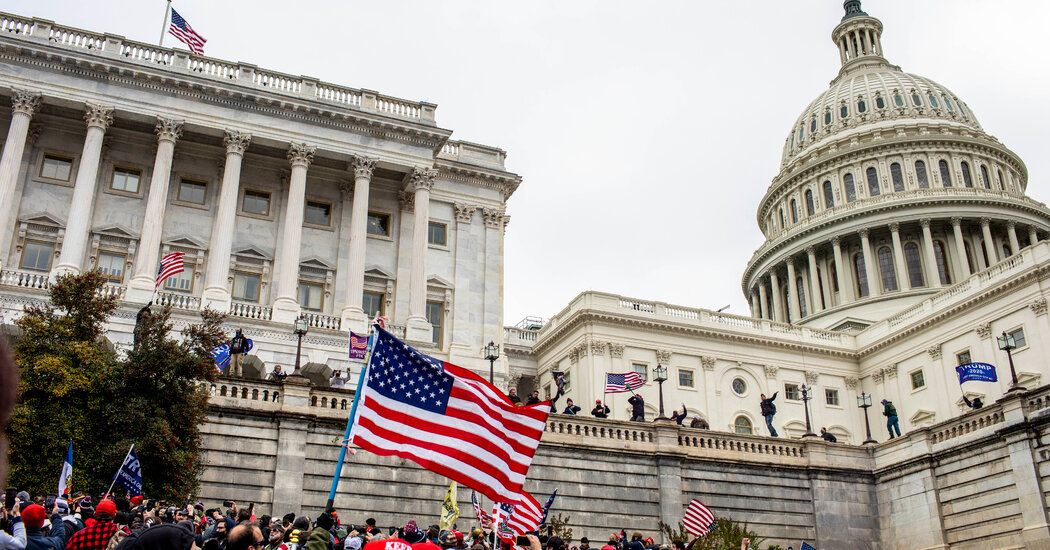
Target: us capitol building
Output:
[(899, 244)]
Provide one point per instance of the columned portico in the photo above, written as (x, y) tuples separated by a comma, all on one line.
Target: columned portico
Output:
[(146, 261), (216, 288), (763, 299), (355, 318), (1033, 235), (1011, 232), (23, 105), (82, 206), (845, 289), (417, 329), (286, 306)]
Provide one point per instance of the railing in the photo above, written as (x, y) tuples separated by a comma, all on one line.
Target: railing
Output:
[(969, 423), (397, 107), (114, 290), (214, 67), (251, 311), (278, 81), (521, 337), (614, 431), (147, 53), (77, 38), (176, 300), (339, 94), (637, 305), (450, 149), (397, 330), (246, 390), (1037, 402), (318, 320), (24, 279), (331, 399), (720, 441), (15, 25)]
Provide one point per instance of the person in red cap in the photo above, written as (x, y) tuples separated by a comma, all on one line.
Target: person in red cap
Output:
[(33, 517), (600, 410), (97, 536)]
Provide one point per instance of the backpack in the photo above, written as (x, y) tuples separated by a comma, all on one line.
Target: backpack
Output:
[(892, 409), (116, 539)]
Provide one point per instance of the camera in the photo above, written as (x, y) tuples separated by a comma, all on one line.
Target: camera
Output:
[(227, 503)]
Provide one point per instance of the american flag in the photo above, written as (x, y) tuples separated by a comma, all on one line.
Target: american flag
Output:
[(170, 264), (182, 30), (446, 419), (525, 516), (358, 346), (619, 383), (806, 546), (698, 518), (483, 519)]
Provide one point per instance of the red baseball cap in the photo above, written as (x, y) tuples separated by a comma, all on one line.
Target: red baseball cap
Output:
[(107, 507)]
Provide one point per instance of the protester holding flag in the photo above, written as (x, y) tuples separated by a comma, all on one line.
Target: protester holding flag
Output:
[(449, 508), (600, 410), (975, 404), (238, 347), (637, 408)]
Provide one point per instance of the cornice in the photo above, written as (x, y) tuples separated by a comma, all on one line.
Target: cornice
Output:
[(504, 182)]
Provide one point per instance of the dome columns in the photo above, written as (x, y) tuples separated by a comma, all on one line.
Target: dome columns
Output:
[(989, 243), (869, 262), (814, 282), (933, 277), (903, 281), (961, 265)]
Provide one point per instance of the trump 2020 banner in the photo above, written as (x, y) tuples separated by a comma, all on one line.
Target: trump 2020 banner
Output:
[(981, 372)]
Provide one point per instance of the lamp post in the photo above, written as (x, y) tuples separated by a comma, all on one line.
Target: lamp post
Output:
[(805, 402), (661, 377), (492, 353), (864, 402), (1007, 344), (301, 328)]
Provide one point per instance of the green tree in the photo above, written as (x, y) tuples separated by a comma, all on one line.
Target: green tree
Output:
[(559, 525), (63, 364)]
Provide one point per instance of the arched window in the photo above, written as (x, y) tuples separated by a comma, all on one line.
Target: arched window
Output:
[(861, 106), (829, 195), (879, 102), (1002, 186), (942, 263), (801, 287), (873, 182), (844, 110), (889, 277), (813, 125), (809, 202), (801, 133), (969, 257), (946, 173), (862, 275), (933, 101), (851, 190), (827, 117), (742, 425), (984, 176), (834, 276), (948, 104), (967, 179), (920, 175), (897, 177), (898, 99), (794, 211), (782, 224), (916, 99), (911, 258)]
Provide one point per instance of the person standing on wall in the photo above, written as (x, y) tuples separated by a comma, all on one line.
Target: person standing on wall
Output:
[(768, 411), (892, 422), (637, 408), (238, 347)]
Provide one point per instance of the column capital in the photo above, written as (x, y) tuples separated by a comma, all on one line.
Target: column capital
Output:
[(363, 166), (25, 101), (98, 116), (925, 223), (771, 273), (421, 178), (895, 227), (346, 188), (836, 241), (236, 142), (956, 221), (863, 233), (1011, 224), (985, 222), (493, 217), (811, 250), (407, 200), (464, 212), (790, 262), (168, 129), (300, 154)]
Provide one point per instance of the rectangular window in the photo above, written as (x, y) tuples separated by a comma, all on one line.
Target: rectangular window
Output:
[(378, 224), (246, 286), (1018, 336), (685, 378), (56, 168), (111, 266), (310, 296), (37, 256), (792, 392), (192, 191), (125, 179), (642, 370), (963, 358), (436, 318), (318, 213), (256, 202), (917, 380), (181, 282), (831, 397), (437, 233), (373, 304)]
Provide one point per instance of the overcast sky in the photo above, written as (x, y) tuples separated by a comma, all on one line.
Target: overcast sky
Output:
[(646, 132)]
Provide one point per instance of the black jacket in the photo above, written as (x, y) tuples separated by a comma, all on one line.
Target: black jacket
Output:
[(600, 411), (572, 410), (768, 407), (637, 405)]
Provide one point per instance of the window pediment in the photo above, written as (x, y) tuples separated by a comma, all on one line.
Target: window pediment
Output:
[(923, 417)]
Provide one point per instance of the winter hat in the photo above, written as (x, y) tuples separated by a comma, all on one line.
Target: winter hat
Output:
[(288, 519), (411, 527), (597, 400), (106, 510), (24, 498), (34, 516), (608, 547), (883, 401), (354, 543), (585, 540), (555, 542)]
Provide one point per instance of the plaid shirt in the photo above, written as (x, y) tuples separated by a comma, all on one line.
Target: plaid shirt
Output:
[(95, 537)]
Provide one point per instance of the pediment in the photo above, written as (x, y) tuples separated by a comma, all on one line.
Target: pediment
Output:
[(435, 281), (251, 252), (377, 272), (115, 230), (923, 417), (315, 262), (186, 241), (1029, 379), (43, 218)]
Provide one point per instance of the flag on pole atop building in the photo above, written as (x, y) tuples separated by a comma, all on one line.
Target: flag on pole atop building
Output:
[(182, 30), (620, 383), (170, 264), (447, 419), (449, 508), (698, 518), (65, 478)]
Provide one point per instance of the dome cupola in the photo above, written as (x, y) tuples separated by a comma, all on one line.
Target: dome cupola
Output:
[(859, 36)]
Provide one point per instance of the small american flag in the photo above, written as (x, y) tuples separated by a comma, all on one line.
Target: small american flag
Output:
[(525, 516), (170, 264), (358, 346), (806, 546), (698, 518), (182, 30), (483, 519), (619, 383)]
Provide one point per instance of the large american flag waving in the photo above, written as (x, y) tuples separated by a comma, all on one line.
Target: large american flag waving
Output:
[(182, 30), (619, 383), (446, 419), (170, 264)]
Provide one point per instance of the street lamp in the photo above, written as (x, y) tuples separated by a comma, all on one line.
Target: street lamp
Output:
[(661, 377), (492, 353), (301, 328), (864, 401), (805, 402), (1007, 344)]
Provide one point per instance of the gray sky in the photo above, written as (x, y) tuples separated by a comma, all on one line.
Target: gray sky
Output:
[(646, 132)]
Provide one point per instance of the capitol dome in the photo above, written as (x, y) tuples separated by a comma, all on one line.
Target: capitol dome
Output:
[(889, 190)]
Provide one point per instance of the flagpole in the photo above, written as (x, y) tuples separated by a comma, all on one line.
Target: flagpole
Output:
[(164, 24), (122, 463), (350, 423)]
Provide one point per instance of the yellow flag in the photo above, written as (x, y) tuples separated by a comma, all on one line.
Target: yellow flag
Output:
[(449, 508)]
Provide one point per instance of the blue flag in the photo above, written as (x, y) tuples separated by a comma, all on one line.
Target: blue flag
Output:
[(222, 356), (547, 506), (981, 372), (806, 546), (129, 475)]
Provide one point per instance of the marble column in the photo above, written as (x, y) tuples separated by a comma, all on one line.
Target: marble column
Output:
[(1033, 235), (353, 314), (989, 243), (286, 305), (815, 291), (417, 328), (961, 265), (140, 289), (874, 287), (841, 271), (82, 205), (1011, 232), (903, 277), (793, 298), (778, 307), (933, 276), (763, 306), (464, 343), (23, 106), (216, 288)]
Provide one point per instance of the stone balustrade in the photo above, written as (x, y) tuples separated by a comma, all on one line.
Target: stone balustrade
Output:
[(320, 320), (178, 300), (248, 310)]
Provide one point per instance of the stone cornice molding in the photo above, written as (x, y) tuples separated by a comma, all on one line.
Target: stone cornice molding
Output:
[(236, 142), (98, 116), (168, 129), (300, 154), (504, 182), (25, 102), (363, 166)]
